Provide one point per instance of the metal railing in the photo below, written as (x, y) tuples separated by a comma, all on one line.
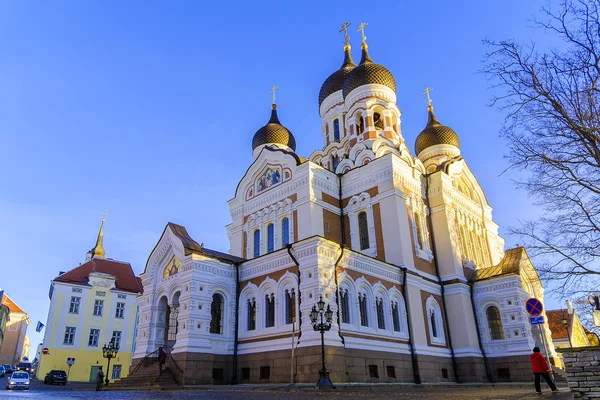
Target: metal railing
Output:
[(177, 371), (146, 361)]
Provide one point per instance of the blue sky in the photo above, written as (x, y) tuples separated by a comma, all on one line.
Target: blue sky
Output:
[(147, 109)]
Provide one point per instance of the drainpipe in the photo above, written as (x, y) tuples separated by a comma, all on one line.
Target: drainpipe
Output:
[(342, 225), (413, 356), (437, 273), (485, 361), (337, 289), (299, 297), (236, 325)]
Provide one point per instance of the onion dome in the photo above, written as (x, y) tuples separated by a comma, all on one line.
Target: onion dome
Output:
[(335, 81), (274, 132), (435, 133), (367, 73)]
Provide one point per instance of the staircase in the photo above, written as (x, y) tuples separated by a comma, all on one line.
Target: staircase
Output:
[(146, 376)]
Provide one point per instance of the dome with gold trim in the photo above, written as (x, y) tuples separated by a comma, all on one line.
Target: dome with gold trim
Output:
[(274, 132), (336, 80), (435, 133), (367, 72)]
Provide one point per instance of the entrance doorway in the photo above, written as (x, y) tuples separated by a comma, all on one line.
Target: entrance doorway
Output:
[(93, 373)]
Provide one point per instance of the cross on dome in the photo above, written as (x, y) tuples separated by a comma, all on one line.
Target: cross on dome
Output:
[(361, 29), (345, 30)]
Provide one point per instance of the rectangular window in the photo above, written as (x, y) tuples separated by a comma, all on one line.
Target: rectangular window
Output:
[(94, 337), (251, 314), (345, 306), (265, 372), (101, 293), (290, 306), (76, 290), (373, 371), (117, 337), (74, 305), (362, 308), (269, 310), (120, 311), (121, 296), (391, 371), (218, 374), (380, 313), (445, 373), (69, 335), (395, 316), (116, 372), (98, 306), (245, 373)]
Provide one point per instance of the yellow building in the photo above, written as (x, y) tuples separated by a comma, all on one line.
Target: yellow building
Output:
[(14, 332), (567, 330), (90, 305)]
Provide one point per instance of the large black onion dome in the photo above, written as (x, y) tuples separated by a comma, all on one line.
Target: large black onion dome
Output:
[(274, 132), (435, 133), (366, 73), (335, 81)]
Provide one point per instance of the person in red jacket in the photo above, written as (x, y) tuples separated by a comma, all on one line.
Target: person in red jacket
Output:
[(539, 367)]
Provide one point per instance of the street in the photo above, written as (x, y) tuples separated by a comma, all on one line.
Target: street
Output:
[(86, 391)]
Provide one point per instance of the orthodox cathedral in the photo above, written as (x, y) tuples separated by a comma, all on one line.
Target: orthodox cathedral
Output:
[(401, 246)]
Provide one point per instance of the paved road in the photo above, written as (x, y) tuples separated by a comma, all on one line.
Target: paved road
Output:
[(84, 391)]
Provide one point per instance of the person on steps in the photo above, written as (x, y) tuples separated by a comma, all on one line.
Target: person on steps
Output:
[(539, 367), (162, 357)]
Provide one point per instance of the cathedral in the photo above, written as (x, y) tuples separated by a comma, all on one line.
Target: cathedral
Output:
[(400, 245)]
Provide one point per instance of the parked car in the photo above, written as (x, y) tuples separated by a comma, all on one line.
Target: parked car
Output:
[(2, 373), (18, 380), (7, 368), (24, 366), (56, 376)]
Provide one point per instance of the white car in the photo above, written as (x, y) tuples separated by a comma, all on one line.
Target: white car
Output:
[(18, 380)]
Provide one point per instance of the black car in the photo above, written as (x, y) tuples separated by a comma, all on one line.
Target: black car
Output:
[(7, 369), (56, 376), (24, 366)]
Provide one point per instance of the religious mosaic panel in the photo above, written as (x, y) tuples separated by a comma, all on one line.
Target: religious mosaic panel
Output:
[(270, 178), (172, 267)]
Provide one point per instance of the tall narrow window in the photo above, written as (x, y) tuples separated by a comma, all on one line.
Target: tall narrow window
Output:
[(361, 125), (257, 243), (270, 238), (120, 310), (378, 121), (345, 301), (380, 313), (363, 230), (251, 323), (116, 336), (463, 243), (363, 309), (216, 314), (98, 306), (269, 310), (285, 232), (336, 130), (433, 324), (74, 305), (494, 323), (395, 316), (335, 160), (93, 338), (290, 306), (473, 251), (419, 226), (69, 335)]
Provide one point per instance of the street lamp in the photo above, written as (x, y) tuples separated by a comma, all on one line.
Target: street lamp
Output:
[(321, 325), (565, 322), (109, 352)]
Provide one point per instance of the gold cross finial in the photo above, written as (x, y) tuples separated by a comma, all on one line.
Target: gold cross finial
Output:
[(273, 93), (345, 30), (426, 92), (104, 214), (361, 29)]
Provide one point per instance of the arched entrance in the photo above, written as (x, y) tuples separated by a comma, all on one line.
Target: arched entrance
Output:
[(173, 321), (163, 318)]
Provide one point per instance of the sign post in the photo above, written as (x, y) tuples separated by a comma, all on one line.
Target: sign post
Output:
[(535, 308), (70, 362)]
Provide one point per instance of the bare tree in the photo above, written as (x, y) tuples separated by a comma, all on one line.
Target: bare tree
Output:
[(552, 127)]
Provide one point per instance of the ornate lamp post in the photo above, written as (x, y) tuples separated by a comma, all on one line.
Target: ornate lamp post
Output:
[(321, 321), (565, 322), (109, 352)]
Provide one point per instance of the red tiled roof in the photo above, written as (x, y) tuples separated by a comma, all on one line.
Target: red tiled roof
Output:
[(125, 278), (12, 306), (559, 331)]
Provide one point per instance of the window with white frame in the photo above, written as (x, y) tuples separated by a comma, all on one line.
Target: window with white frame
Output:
[(435, 322), (74, 305), (120, 310), (379, 304), (257, 243), (69, 335), (362, 224), (363, 230), (420, 231), (345, 305), (363, 309), (94, 337), (285, 232), (216, 314), (269, 310), (270, 238), (98, 306), (290, 305), (251, 314), (116, 336), (395, 316), (494, 321)]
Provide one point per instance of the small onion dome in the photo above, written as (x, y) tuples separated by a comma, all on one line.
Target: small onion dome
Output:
[(367, 73), (435, 133), (335, 81), (274, 132)]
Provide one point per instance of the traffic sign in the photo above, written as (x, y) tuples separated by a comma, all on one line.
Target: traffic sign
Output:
[(45, 350), (70, 361), (536, 320), (534, 307)]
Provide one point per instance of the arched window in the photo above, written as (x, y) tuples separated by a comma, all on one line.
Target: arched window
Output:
[(336, 130), (419, 226), (433, 323), (216, 314), (395, 316), (378, 121), (463, 243), (335, 160), (363, 309), (363, 230), (380, 313), (473, 251), (251, 323), (257, 243), (345, 303), (285, 232), (361, 125), (290, 306), (270, 238), (494, 323), (269, 310)]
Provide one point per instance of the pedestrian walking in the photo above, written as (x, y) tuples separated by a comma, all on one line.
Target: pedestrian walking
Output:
[(99, 378), (540, 368), (162, 357)]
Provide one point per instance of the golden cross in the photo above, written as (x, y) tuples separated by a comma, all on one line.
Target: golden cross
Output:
[(426, 92), (104, 214), (361, 29), (345, 29), (273, 93)]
